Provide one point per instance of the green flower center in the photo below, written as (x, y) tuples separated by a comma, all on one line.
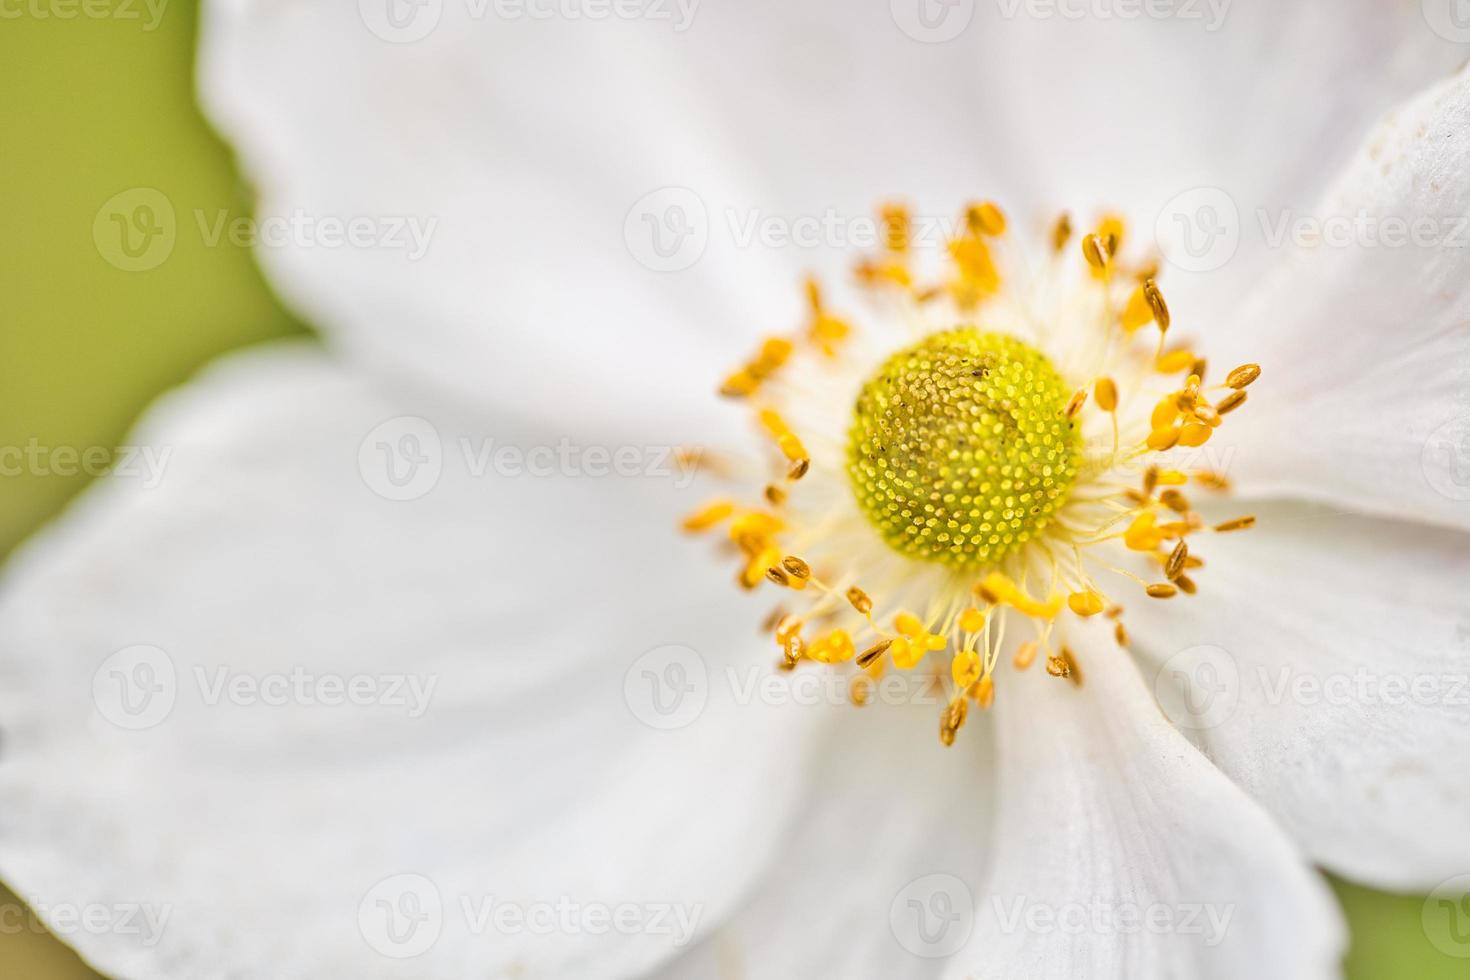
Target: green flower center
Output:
[(961, 449)]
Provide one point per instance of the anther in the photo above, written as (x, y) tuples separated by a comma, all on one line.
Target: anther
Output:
[(1239, 524), (796, 568), (1087, 603), (859, 600), (954, 717), (1174, 569), (1106, 393), (872, 653), (1230, 403), (1095, 251), (1162, 590), (1079, 398), (1156, 304), (1242, 376), (1061, 232), (986, 219), (709, 515)]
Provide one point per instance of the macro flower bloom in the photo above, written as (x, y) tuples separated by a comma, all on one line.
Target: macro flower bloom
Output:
[(610, 193), (967, 451)]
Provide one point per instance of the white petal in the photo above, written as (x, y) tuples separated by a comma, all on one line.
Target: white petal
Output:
[(891, 819), (1365, 400), (1327, 659), (1121, 852), (277, 830), (533, 144), (548, 150)]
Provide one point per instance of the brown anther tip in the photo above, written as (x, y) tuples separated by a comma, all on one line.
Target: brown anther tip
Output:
[(798, 468), (1239, 524), (795, 567), (872, 653), (1162, 590), (1061, 232), (1230, 403), (1079, 398), (1120, 635), (777, 575), (775, 495), (1174, 568), (1156, 304), (986, 595), (1186, 585), (1212, 481), (1175, 501), (1095, 250), (1242, 376), (1057, 667)]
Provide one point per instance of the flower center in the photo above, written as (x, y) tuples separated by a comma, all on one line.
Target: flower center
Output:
[(961, 449)]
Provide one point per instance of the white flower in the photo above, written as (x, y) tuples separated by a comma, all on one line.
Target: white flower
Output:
[(178, 736)]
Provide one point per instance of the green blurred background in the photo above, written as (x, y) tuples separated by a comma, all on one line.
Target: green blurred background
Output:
[(93, 107)]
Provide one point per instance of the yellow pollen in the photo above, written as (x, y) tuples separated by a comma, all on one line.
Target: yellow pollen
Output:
[(961, 449)]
